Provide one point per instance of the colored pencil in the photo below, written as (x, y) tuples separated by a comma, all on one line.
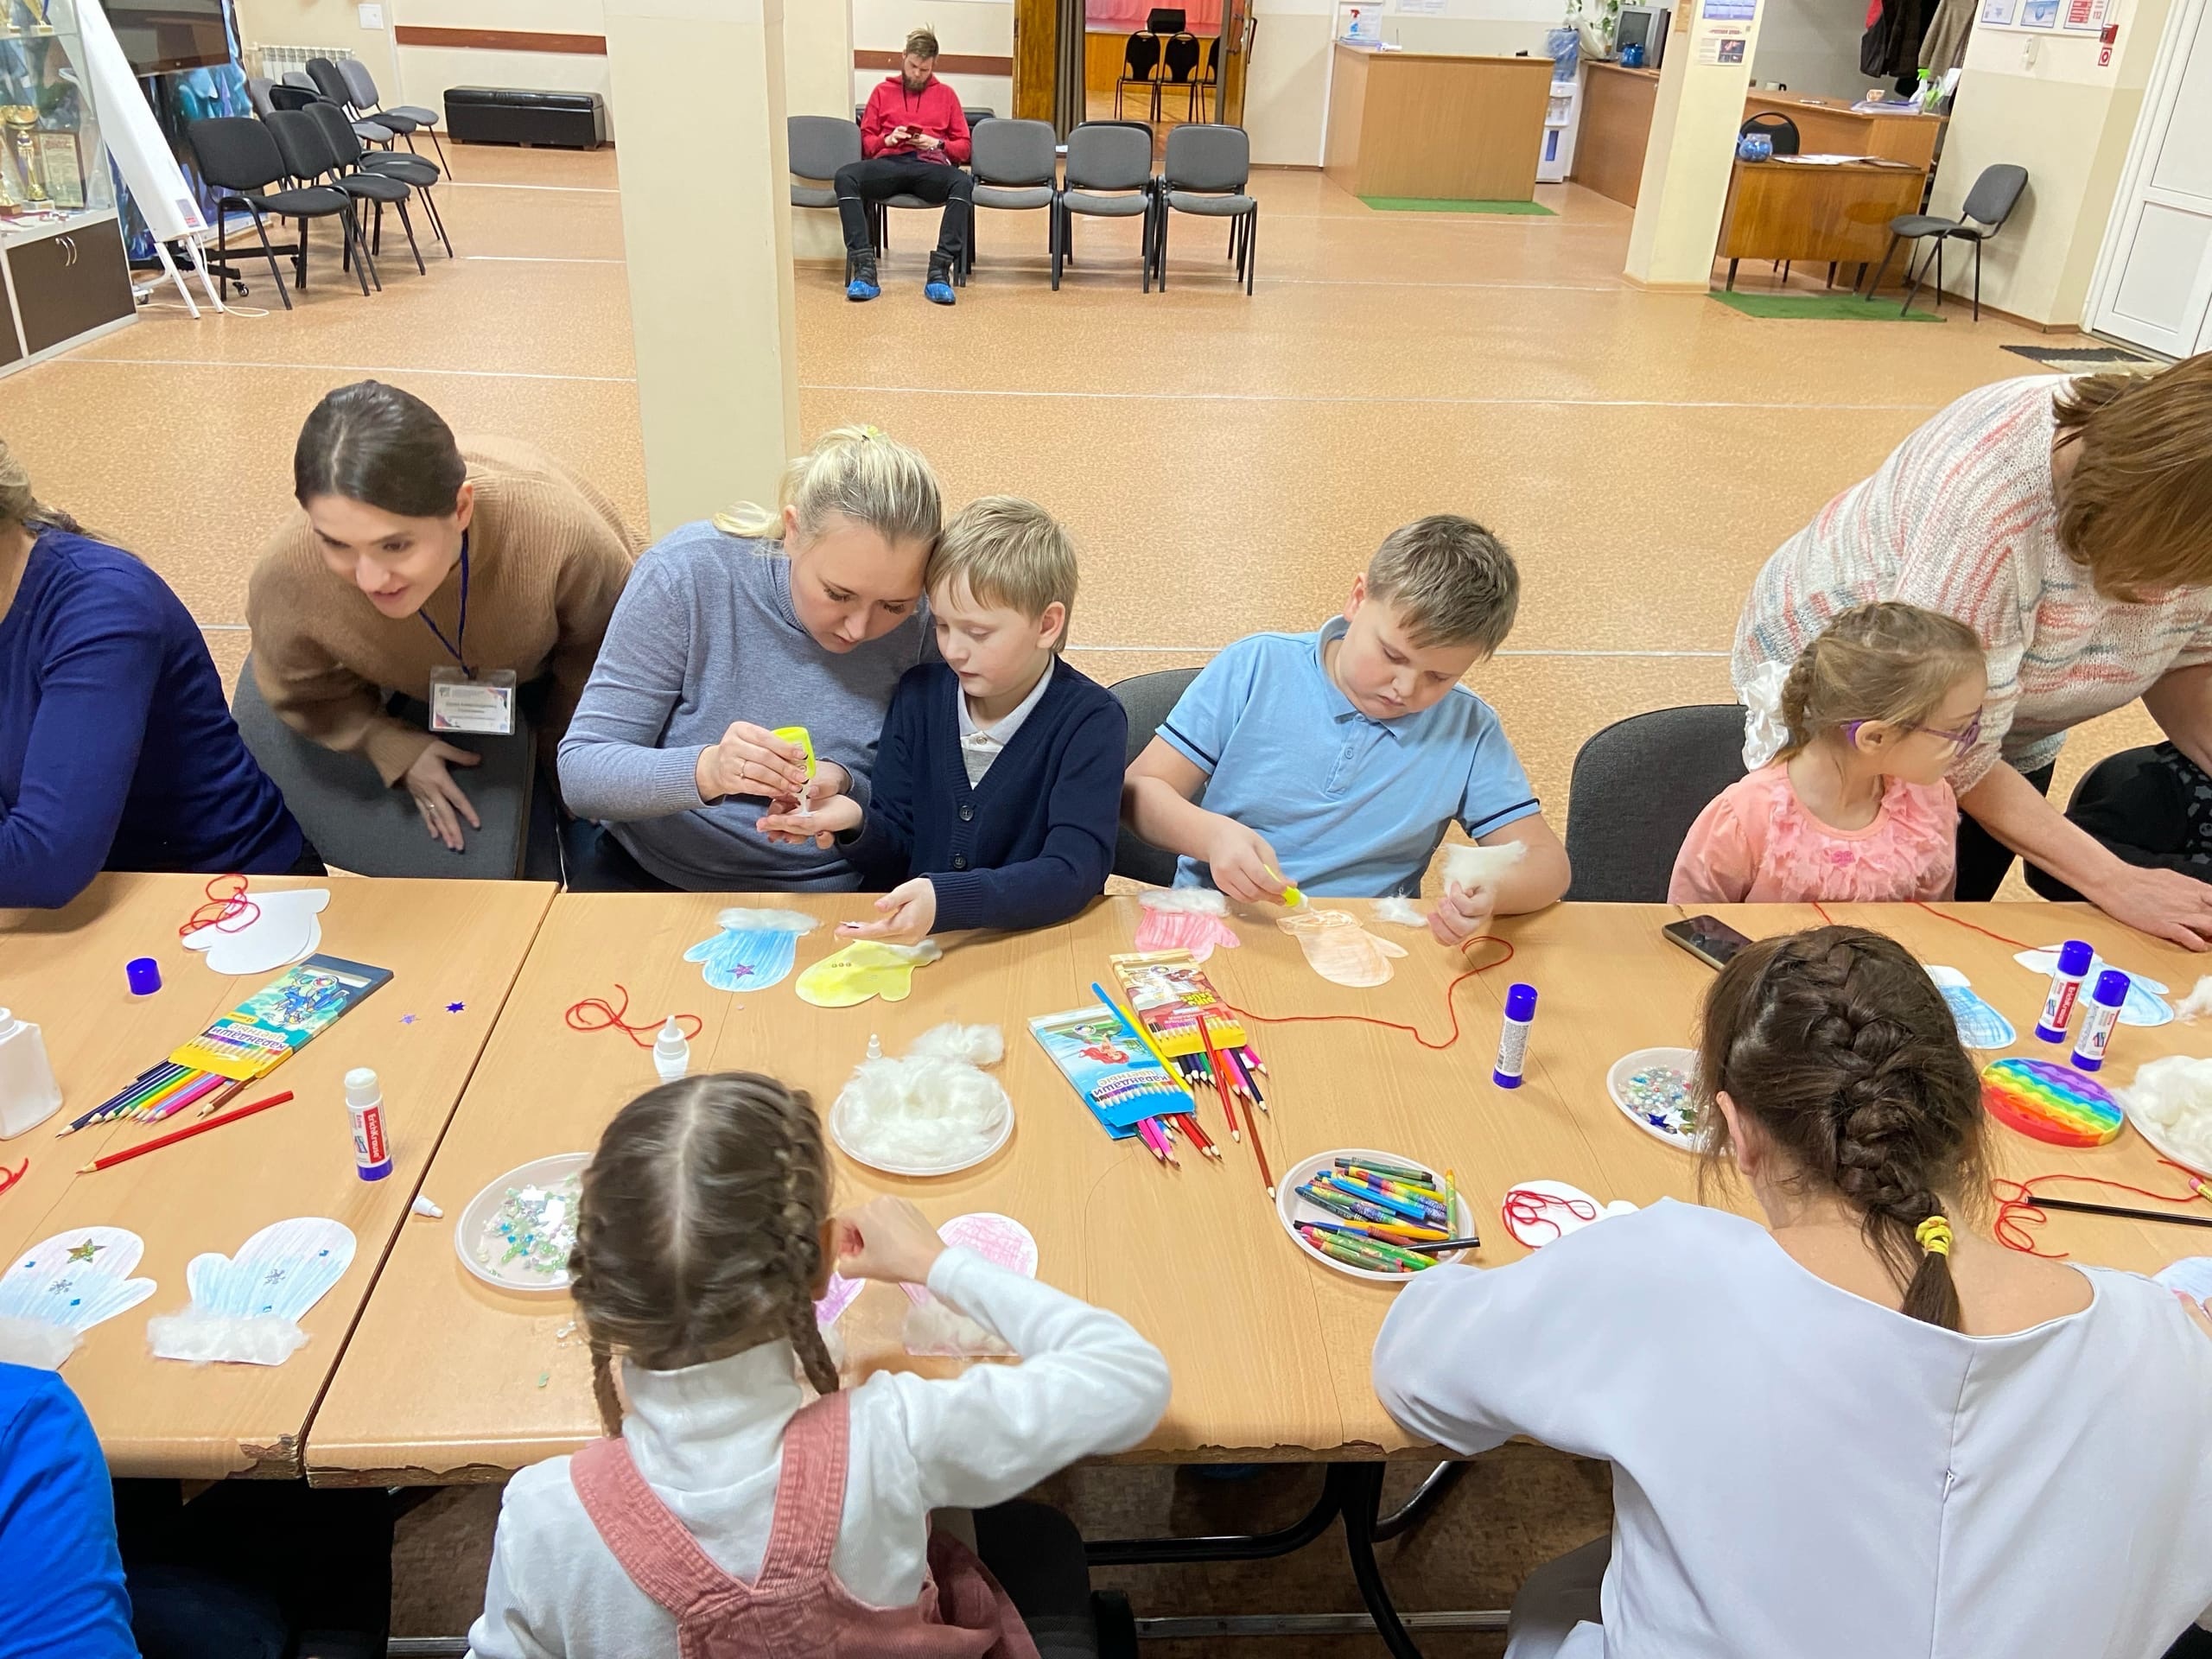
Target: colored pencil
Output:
[(152, 1077), (1188, 1123), (1136, 1027), (1260, 1152), (1148, 1131), (1221, 1085), (185, 1134), (1250, 1083), (2125, 1214), (198, 1088), (221, 1097)]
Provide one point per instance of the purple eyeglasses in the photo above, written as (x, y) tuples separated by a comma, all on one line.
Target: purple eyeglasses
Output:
[(1960, 741)]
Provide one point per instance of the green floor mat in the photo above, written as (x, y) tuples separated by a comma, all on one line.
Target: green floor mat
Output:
[(1443, 205), (1823, 308)]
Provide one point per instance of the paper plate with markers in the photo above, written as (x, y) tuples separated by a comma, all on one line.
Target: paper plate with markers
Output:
[(1359, 1211), (1653, 1089), (518, 1232)]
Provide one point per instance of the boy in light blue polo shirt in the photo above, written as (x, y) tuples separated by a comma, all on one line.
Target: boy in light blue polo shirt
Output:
[(1336, 759)]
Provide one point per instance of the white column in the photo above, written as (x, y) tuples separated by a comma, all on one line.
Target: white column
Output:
[(706, 226), (818, 78), (1692, 153)]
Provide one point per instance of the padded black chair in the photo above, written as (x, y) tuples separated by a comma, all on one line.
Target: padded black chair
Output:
[(1987, 206), (347, 174), (1015, 164), (404, 119), (1108, 176), (309, 162), (1148, 699), (285, 95), (1204, 173), (1140, 68), (819, 145), (1209, 79), (330, 87), (1776, 126), (1179, 67), (1637, 787), (239, 158)]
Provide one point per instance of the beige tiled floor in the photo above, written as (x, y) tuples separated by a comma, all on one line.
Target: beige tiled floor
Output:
[(1226, 465)]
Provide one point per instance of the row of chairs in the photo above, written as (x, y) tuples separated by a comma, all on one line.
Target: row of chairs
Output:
[(1108, 174), (1180, 60)]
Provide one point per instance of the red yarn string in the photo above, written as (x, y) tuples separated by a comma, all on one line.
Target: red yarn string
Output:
[(222, 907), (1961, 921), (2018, 1211), (579, 1017), (10, 1177), (1523, 1208), (1450, 1006)]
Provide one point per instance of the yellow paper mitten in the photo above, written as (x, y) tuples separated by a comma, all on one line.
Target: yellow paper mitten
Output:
[(864, 969)]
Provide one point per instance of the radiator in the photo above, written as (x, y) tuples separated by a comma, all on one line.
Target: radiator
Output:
[(272, 61)]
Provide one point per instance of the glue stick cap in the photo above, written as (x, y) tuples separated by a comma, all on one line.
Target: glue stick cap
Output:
[(2074, 957), (2112, 988), (361, 1088), (1521, 1002), (143, 975)]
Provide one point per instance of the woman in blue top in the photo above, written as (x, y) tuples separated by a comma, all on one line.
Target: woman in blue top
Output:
[(116, 749)]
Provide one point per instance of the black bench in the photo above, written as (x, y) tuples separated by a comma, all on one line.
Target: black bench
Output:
[(507, 115)]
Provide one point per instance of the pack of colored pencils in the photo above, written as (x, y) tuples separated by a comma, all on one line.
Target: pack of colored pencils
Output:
[(1191, 1025), (250, 1041), (1104, 1062)]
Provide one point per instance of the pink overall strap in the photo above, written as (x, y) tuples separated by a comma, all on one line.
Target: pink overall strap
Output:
[(662, 1559), (810, 1496)]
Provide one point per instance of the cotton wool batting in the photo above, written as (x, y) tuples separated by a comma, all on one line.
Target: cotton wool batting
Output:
[(931, 1109)]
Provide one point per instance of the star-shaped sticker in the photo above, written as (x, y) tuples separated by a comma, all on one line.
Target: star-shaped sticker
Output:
[(455, 1008), (84, 1251), (406, 1019)]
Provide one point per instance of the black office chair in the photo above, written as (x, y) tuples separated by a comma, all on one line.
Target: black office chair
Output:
[(1987, 206), (239, 158), (1776, 126), (1637, 787), (1180, 68), (332, 88), (404, 119), (308, 161), (347, 174), (1204, 173), (1209, 79), (1108, 176), (1148, 699), (1015, 164), (818, 146), (1140, 68)]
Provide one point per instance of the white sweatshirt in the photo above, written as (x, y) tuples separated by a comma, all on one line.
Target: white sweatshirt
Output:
[(709, 1441), (1798, 1472)]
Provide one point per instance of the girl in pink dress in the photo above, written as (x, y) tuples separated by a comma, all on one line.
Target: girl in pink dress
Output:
[(1858, 808)]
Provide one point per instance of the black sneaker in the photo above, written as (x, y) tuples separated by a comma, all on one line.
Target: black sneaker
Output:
[(863, 285), (937, 290)]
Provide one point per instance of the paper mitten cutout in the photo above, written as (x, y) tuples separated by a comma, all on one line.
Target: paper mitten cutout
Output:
[(755, 949), (1979, 1025), (286, 928), (62, 1286), (864, 969), (1338, 949), (1185, 929), (934, 1327), (247, 1308)]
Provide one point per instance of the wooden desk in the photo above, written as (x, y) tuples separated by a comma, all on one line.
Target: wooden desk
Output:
[(1837, 212), (1615, 130), (1436, 126), (1828, 126), (446, 1379), (444, 941)]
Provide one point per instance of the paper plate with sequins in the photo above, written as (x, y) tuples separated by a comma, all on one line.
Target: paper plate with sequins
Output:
[(518, 1232), (1652, 1087)]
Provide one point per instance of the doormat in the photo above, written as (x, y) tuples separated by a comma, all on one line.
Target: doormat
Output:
[(1819, 307), (2082, 360), (1445, 205)]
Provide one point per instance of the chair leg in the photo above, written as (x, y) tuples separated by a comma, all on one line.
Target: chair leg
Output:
[(1977, 281), (444, 166), (1912, 287), (408, 224), (276, 274), (1832, 270), (1054, 235), (300, 259), (1160, 247), (437, 219), (1251, 251), (1939, 270), (364, 267), (376, 236), (1731, 276), (1882, 269)]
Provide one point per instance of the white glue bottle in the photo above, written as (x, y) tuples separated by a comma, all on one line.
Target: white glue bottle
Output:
[(365, 1105), (671, 1052), (2102, 1015), (1513, 1036), (28, 1094), (2074, 959)]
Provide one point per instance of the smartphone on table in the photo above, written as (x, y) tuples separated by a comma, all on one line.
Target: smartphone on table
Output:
[(1708, 938)]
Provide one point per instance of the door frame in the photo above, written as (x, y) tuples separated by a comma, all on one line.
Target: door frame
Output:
[(2186, 20)]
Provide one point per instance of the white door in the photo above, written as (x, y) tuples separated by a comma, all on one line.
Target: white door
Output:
[(2154, 278)]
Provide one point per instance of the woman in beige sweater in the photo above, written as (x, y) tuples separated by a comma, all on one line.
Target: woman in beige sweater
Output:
[(411, 553)]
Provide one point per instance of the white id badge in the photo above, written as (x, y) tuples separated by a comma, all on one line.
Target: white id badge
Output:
[(485, 705)]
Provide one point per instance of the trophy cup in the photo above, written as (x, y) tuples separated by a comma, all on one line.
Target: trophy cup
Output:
[(21, 120)]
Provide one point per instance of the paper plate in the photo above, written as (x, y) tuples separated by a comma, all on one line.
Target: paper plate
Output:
[(1561, 1216), (1676, 1128), (916, 1171), (1290, 1209), (469, 1231), (2166, 1148)]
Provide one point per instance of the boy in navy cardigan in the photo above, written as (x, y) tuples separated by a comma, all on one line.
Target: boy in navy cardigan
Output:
[(998, 779)]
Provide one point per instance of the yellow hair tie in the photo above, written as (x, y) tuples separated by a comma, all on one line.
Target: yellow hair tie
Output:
[(1934, 1236)]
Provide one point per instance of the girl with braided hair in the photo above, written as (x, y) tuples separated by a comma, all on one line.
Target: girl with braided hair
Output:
[(1863, 1429), (725, 1514)]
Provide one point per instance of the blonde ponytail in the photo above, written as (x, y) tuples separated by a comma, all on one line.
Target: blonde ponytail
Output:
[(18, 505), (855, 472)]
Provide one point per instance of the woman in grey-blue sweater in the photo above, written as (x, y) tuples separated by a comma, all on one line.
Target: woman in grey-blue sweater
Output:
[(731, 628)]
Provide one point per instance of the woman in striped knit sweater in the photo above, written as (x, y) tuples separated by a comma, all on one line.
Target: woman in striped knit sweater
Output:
[(2069, 524)]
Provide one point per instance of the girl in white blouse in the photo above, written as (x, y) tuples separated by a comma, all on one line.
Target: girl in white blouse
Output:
[(2017, 1461), (703, 1239)]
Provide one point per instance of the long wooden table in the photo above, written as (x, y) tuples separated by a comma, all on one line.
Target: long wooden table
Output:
[(448, 1380), (445, 942)]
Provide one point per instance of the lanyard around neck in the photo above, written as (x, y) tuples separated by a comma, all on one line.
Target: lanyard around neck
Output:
[(454, 645)]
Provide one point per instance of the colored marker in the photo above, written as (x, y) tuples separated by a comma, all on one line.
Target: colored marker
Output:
[(1390, 1251), (1363, 1194), (1349, 1208)]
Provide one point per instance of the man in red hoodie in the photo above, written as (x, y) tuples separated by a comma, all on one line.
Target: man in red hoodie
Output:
[(914, 140)]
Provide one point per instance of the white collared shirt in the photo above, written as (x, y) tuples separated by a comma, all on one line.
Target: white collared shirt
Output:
[(981, 745)]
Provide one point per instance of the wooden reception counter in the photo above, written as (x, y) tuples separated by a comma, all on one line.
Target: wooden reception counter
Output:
[(1436, 125)]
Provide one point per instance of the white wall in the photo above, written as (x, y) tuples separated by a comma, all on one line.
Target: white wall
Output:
[(982, 28), (1812, 46)]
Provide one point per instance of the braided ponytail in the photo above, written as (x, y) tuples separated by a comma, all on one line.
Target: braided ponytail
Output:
[(699, 1231), (1887, 661), (1839, 1045)]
